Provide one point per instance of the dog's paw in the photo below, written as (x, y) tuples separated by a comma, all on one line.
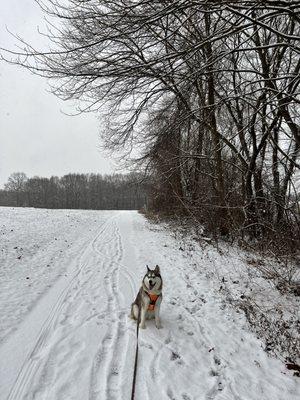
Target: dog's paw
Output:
[(159, 326), (142, 326)]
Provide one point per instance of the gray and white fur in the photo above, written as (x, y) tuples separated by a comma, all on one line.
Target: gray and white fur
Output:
[(152, 284)]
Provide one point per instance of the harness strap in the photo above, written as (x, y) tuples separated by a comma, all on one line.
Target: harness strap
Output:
[(153, 299)]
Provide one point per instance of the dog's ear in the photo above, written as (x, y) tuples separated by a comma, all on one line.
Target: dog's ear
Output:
[(157, 270), (148, 269)]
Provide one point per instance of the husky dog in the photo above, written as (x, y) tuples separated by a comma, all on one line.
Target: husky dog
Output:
[(148, 299)]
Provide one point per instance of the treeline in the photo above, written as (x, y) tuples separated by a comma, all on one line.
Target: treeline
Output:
[(209, 90), (75, 191)]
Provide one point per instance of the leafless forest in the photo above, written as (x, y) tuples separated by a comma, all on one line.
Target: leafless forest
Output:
[(206, 92), (75, 191)]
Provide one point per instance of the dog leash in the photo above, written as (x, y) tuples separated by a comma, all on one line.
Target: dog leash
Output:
[(136, 356)]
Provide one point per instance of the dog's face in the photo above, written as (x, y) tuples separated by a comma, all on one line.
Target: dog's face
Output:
[(152, 280)]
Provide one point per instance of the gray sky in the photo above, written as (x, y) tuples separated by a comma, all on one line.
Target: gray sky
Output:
[(35, 136)]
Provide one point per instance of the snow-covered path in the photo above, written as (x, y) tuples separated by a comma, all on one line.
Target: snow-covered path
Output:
[(77, 342)]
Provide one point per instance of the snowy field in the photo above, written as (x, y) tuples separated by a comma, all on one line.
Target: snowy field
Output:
[(67, 279)]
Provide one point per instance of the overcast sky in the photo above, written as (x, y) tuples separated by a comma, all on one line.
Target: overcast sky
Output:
[(36, 137)]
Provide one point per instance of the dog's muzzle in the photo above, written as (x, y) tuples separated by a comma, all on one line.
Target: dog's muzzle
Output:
[(151, 284)]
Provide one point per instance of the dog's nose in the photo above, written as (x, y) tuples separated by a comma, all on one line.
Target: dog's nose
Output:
[(151, 282)]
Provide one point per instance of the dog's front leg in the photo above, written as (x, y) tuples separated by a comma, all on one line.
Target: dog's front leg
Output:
[(156, 312), (144, 308)]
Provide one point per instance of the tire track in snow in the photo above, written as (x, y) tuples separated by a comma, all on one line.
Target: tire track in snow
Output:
[(100, 368), (32, 363), (120, 344), (111, 356)]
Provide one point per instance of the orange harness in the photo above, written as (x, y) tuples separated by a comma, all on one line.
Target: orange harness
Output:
[(153, 298)]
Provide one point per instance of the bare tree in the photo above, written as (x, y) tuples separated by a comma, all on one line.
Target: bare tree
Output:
[(208, 90), (17, 183)]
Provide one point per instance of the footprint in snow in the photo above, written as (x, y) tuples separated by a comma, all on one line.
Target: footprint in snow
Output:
[(114, 371), (168, 340), (170, 394), (186, 397), (174, 356), (147, 346), (177, 358), (217, 360)]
